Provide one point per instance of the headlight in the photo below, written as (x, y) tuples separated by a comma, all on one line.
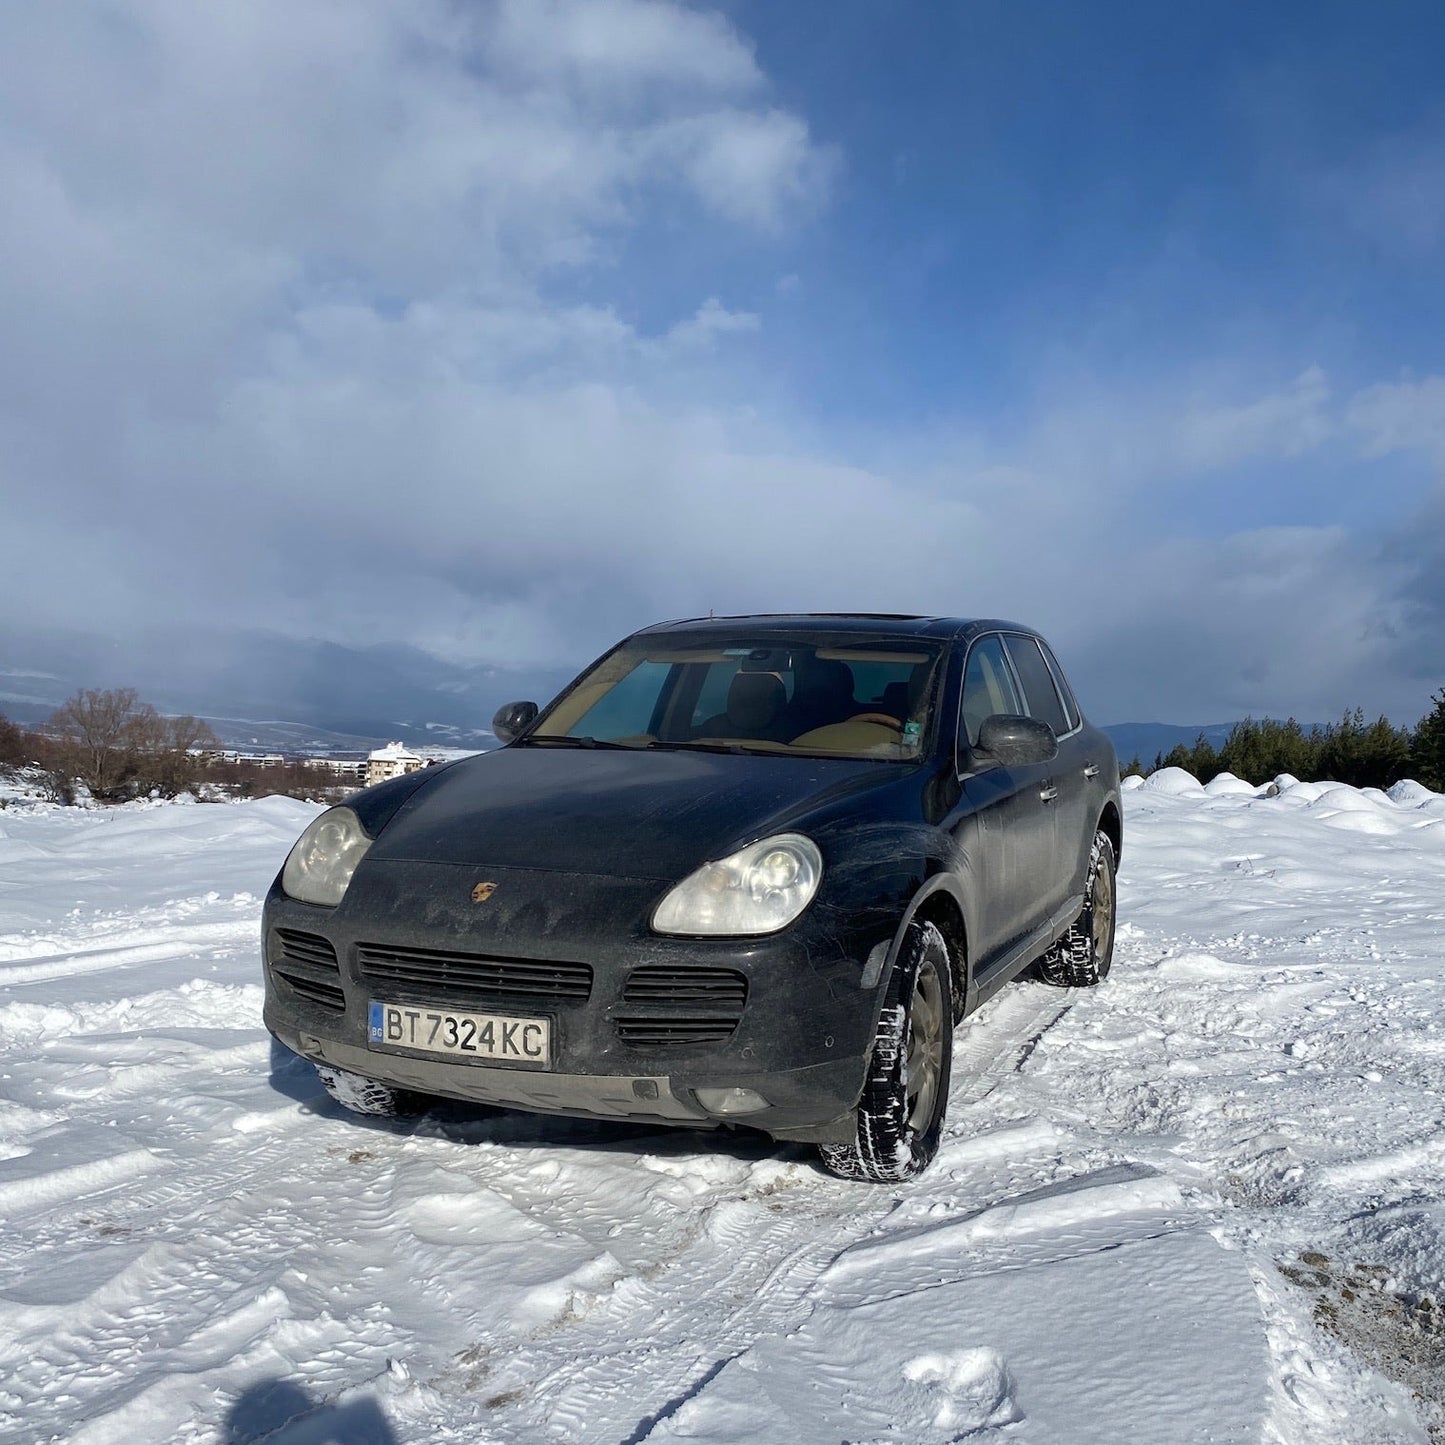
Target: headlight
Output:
[(320, 866), (760, 889)]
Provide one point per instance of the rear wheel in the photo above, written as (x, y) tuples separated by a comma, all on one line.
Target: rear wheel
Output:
[(366, 1096), (900, 1115), (1081, 958)]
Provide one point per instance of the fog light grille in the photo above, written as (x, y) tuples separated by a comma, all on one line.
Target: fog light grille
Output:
[(724, 988), (306, 963), (672, 1033), (683, 1006)]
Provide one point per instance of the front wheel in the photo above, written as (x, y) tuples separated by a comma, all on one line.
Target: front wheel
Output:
[(1081, 958), (900, 1115)]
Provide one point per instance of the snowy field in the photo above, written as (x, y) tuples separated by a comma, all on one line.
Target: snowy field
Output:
[(1202, 1203)]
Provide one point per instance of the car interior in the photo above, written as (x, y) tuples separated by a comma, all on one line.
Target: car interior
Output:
[(861, 700)]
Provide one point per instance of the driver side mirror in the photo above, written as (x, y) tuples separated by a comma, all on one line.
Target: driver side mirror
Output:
[(512, 719), (1014, 741)]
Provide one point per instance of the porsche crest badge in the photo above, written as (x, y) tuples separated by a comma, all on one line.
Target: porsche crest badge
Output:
[(483, 891)]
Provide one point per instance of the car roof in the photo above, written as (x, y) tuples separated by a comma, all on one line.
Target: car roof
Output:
[(889, 624)]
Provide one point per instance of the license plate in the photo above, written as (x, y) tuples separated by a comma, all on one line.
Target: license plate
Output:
[(494, 1037)]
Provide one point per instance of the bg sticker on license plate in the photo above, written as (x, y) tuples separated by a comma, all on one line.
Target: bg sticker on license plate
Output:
[(501, 1039)]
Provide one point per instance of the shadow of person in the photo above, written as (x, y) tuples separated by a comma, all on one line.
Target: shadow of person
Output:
[(282, 1413)]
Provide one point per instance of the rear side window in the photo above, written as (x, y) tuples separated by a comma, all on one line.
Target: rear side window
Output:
[(1041, 697), (988, 686)]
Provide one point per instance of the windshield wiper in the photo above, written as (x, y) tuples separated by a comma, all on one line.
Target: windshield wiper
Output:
[(699, 747), (553, 740)]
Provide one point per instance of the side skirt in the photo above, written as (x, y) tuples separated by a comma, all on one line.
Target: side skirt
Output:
[(1004, 967)]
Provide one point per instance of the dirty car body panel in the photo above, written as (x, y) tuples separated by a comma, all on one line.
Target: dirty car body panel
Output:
[(523, 884)]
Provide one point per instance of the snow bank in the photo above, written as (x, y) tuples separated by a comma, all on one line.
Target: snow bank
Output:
[(1172, 781), (199, 1246), (1227, 785), (1410, 794)]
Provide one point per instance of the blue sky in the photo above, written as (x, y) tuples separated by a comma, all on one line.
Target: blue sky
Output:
[(501, 327)]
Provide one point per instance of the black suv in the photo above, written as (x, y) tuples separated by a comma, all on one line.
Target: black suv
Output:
[(745, 870)]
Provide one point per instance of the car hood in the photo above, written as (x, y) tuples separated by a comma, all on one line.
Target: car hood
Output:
[(643, 814)]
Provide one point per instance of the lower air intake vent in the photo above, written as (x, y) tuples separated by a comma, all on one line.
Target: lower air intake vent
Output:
[(684, 1006), (659, 984), (307, 948), (328, 995), (306, 964), (675, 1033)]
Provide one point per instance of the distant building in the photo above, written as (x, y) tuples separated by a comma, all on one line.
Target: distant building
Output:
[(392, 761), (341, 767)]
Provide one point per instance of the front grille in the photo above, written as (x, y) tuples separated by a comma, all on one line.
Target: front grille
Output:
[(307, 965), (693, 1006), (660, 984), (471, 975)]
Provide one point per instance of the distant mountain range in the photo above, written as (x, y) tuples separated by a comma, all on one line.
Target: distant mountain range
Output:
[(274, 693), (259, 690)]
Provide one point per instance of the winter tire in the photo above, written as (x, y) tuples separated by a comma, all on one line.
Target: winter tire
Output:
[(900, 1114), (367, 1096), (1081, 958)]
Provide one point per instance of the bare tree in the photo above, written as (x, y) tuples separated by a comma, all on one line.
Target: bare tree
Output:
[(100, 735), (12, 744), (172, 756)]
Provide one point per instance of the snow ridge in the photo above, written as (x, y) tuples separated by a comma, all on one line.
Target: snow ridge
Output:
[(199, 1246)]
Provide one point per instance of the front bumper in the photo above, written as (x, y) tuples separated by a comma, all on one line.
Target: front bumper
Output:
[(800, 1038)]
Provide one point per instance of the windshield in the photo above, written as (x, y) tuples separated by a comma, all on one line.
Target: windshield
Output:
[(835, 696)]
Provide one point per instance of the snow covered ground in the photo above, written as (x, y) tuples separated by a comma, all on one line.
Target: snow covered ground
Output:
[(1201, 1203)]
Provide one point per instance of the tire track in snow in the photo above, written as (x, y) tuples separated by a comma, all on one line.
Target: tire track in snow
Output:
[(216, 1237), (195, 938), (759, 1256)]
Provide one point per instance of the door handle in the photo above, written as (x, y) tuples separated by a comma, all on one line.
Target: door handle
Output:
[(1048, 794), (1092, 771)]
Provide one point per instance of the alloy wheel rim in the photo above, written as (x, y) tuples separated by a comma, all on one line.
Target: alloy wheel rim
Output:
[(1103, 911), (925, 1046)]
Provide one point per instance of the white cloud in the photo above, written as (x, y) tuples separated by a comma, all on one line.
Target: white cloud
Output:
[(1287, 423), (284, 350), (1401, 416), (405, 146), (711, 320), (750, 167), (620, 43), (1172, 433)]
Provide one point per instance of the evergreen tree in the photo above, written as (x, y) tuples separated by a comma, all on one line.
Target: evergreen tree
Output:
[(1384, 755), (1199, 759), (1260, 751), (1427, 747)]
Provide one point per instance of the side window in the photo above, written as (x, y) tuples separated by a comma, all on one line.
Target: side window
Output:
[(1040, 695), (987, 686), (1071, 708)]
